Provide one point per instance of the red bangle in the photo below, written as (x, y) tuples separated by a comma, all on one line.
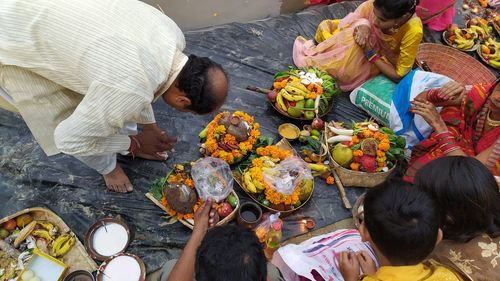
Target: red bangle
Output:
[(450, 148), (134, 145), (444, 135), (433, 96)]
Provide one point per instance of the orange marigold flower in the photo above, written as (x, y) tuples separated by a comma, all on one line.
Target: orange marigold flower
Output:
[(384, 146), (380, 153), (355, 166), (358, 152), (381, 164), (355, 139), (330, 180), (367, 133)]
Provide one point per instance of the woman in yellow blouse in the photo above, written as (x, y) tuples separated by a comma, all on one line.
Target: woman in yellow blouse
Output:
[(381, 36)]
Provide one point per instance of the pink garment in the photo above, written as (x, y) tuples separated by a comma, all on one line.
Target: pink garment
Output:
[(340, 56), (444, 16)]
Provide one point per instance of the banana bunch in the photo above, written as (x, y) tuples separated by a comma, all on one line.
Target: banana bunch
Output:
[(482, 33), (62, 245), (51, 228), (252, 185), (464, 38), (490, 51), (280, 102)]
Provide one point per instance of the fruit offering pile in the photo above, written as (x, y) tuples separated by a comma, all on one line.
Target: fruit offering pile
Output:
[(178, 195), (18, 238), (299, 92), (366, 147), (230, 136), (490, 52), (269, 170)]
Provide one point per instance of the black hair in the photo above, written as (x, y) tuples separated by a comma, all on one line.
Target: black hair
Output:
[(393, 9), (229, 253), (194, 80), (403, 221), (467, 196)]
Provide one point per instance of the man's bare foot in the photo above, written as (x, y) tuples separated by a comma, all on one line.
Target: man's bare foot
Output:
[(118, 181)]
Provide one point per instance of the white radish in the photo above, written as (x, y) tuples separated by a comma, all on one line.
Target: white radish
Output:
[(316, 105), (305, 81), (339, 138), (373, 127), (345, 132)]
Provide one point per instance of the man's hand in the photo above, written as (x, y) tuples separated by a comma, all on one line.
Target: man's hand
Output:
[(204, 218), (366, 262), (153, 141), (428, 111), (451, 90), (361, 35), (349, 266)]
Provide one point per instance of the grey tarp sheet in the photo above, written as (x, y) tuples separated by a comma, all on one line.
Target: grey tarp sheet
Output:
[(251, 53)]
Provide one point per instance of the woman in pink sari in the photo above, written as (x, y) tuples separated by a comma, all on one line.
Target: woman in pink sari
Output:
[(381, 36)]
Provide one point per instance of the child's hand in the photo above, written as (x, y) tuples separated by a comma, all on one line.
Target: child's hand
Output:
[(366, 262), (349, 266)]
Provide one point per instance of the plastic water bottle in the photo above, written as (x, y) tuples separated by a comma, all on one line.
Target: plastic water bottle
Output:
[(273, 238)]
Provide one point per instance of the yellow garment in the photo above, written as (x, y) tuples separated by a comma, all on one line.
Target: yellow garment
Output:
[(419, 272), (404, 43)]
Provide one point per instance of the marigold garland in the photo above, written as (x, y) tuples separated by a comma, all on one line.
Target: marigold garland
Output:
[(256, 171), (216, 133)]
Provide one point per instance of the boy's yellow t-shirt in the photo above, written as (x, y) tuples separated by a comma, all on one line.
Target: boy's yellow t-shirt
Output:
[(419, 272)]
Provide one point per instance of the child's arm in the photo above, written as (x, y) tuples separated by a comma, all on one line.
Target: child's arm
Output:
[(184, 268)]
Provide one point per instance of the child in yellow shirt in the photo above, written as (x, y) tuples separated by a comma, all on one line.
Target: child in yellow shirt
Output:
[(402, 225)]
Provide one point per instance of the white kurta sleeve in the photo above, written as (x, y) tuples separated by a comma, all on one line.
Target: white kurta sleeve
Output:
[(93, 128)]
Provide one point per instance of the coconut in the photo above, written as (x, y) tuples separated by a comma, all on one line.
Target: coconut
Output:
[(180, 198)]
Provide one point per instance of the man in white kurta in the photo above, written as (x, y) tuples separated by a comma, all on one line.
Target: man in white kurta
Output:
[(83, 73)]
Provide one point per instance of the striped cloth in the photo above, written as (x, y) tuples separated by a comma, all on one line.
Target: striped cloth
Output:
[(78, 70)]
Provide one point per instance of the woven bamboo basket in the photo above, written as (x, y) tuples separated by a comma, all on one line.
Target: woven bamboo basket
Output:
[(453, 63), (355, 178), (189, 222), (77, 258)]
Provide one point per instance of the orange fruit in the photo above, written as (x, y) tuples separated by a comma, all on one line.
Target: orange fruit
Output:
[(485, 49), (10, 225)]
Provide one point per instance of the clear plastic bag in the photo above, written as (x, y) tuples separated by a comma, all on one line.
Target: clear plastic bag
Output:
[(285, 176), (263, 227), (212, 178)]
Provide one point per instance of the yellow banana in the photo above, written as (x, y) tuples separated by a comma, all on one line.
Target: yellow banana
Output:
[(58, 243), (318, 167), (289, 97), (495, 63), (248, 183), (258, 185), (52, 229), (467, 44), (62, 245), (296, 91), (299, 85), (479, 30), (42, 233), (280, 102)]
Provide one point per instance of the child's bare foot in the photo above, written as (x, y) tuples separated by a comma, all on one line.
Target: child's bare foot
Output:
[(118, 181)]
